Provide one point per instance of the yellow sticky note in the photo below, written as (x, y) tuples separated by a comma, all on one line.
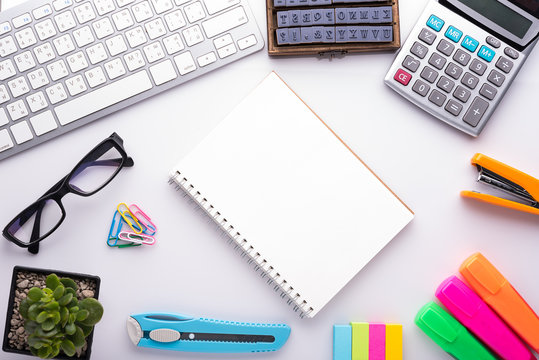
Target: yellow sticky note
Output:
[(360, 341), (393, 342)]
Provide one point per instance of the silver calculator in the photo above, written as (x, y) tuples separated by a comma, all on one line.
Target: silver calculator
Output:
[(462, 56)]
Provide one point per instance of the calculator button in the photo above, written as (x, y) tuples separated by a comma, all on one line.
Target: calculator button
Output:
[(504, 64), (488, 91), (461, 94), (435, 23), (419, 50), (496, 78), (475, 111), (403, 77), (453, 70), (421, 87), (429, 74), (445, 84), (454, 107), (486, 53), (469, 80), (492, 41), (462, 57), (427, 36), (512, 53), (410, 63), (445, 47), (437, 61), (453, 34), (470, 44), (437, 97), (478, 67)]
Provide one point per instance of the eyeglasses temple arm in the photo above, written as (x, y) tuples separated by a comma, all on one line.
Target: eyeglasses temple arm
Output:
[(34, 248)]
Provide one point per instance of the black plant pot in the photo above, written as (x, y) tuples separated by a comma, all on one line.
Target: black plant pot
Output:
[(6, 346)]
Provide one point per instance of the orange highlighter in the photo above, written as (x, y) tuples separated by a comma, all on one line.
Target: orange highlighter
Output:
[(500, 295)]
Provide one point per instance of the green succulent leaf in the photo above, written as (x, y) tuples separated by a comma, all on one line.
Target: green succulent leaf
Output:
[(52, 281), (69, 283), (35, 294), (66, 299), (73, 309), (44, 352), (69, 290), (55, 350), (72, 319), (34, 341), (58, 292), (95, 310), (52, 306), (70, 329), (48, 325), (86, 329), (82, 315), (68, 347), (47, 292), (64, 316), (23, 308), (78, 338), (44, 315), (30, 326), (33, 311)]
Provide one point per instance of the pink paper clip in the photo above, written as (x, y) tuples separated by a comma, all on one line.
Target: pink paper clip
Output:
[(475, 314), (136, 238), (144, 219)]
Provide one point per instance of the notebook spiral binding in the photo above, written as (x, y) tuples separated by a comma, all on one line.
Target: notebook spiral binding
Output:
[(247, 251)]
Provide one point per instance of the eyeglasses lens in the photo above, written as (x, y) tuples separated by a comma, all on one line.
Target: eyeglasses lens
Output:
[(44, 216), (96, 170)]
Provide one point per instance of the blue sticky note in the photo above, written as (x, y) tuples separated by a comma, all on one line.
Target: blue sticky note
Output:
[(453, 34), (469, 43), (342, 342), (435, 23), (486, 53)]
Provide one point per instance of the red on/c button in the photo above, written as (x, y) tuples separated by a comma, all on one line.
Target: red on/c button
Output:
[(403, 77)]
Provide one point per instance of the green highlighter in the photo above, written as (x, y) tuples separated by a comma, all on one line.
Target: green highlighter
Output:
[(449, 334)]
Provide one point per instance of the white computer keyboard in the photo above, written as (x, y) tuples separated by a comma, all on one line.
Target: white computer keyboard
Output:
[(65, 63)]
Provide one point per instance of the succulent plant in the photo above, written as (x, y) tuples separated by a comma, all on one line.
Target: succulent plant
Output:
[(56, 320)]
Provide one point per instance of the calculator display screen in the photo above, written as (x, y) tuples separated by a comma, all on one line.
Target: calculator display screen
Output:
[(500, 14), (531, 6)]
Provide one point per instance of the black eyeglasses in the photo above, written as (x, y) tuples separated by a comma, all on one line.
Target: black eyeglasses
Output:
[(91, 174)]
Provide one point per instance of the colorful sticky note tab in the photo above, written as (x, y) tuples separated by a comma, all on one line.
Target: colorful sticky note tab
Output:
[(364, 341), (393, 342), (360, 341), (342, 342), (377, 341)]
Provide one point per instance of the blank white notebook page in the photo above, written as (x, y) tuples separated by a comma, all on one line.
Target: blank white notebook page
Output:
[(295, 192)]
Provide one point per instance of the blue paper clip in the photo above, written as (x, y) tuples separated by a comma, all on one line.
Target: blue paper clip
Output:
[(112, 240)]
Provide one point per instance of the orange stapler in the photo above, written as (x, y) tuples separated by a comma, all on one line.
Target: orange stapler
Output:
[(519, 185)]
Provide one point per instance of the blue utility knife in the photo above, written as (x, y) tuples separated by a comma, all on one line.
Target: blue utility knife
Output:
[(170, 331)]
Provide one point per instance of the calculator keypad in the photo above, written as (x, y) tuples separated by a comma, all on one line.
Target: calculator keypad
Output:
[(455, 69)]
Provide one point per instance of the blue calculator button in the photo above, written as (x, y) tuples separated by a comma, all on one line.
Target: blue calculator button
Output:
[(486, 53), (453, 34), (470, 43), (435, 23)]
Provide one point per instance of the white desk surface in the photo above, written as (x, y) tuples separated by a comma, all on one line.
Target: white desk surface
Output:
[(192, 270)]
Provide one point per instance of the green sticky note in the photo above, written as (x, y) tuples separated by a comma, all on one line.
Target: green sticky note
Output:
[(360, 341)]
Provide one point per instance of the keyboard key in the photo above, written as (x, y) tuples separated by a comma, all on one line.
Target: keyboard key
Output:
[(4, 95), (161, 6), (61, 4), (17, 110), (25, 38), (65, 21), (163, 72), (156, 28), (437, 61), (43, 123), (45, 29), (193, 35), (512, 53), (421, 87), (122, 3), (104, 6), (469, 80), (461, 94), (445, 84), (95, 77), (116, 45), (247, 42), (5, 140), (427, 36), (84, 13), (114, 68), (77, 62), (122, 20), (222, 41), (419, 50), (486, 53), (214, 6), (445, 47), (57, 70), (435, 23), (504, 64), (437, 97), (429, 74), (488, 91), (185, 63), (21, 132), (227, 51), (154, 52), (194, 12), (410, 63), (7, 46), (7, 69), (453, 34), (403, 77), (470, 44), (134, 60), (21, 20), (38, 78), (64, 44), (142, 11), (3, 117), (103, 97), (224, 22), (478, 67), (83, 36), (462, 57), (206, 59), (37, 101), (496, 78), (173, 44), (103, 28), (56, 93), (5, 27), (76, 85), (492, 41), (136, 36), (453, 107), (18, 87), (475, 111), (175, 20), (44, 53), (24, 61), (96, 53)]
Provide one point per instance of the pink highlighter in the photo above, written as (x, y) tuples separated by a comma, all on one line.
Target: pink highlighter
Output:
[(475, 314)]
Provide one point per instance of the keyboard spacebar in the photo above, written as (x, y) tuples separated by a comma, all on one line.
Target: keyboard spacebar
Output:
[(103, 97)]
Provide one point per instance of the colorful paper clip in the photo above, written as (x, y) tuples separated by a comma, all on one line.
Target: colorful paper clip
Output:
[(149, 226), (136, 239), (127, 215), (115, 230)]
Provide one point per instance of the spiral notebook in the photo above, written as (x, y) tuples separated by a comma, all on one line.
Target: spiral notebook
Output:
[(291, 195)]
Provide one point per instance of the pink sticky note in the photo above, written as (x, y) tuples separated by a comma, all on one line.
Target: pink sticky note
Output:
[(377, 341)]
